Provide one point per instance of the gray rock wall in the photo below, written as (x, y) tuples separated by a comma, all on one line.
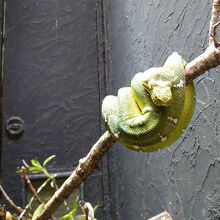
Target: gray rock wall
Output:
[(185, 178)]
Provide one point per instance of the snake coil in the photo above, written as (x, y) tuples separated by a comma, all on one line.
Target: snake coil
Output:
[(155, 110)]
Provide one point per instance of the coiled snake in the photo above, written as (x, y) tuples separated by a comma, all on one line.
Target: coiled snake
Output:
[(154, 111)]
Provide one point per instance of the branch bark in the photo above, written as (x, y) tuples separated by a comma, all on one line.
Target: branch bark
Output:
[(208, 60), (25, 175), (82, 171), (10, 201), (211, 57), (214, 20)]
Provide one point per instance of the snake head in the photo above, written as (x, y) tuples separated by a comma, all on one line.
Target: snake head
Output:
[(160, 90)]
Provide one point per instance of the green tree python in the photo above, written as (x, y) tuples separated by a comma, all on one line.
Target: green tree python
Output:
[(153, 112)]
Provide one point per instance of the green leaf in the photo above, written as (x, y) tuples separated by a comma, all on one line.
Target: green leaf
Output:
[(67, 216), (36, 169), (48, 159), (38, 211), (71, 215), (35, 163), (19, 170), (96, 207), (75, 206)]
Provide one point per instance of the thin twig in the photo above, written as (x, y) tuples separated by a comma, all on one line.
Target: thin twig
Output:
[(214, 35), (32, 199), (214, 20), (9, 200), (25, 175)]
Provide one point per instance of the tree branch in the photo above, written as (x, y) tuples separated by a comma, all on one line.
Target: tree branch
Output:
[(206, 61), (82, 171), (10, 202), (209, 59), (214, 20), (25, 175)]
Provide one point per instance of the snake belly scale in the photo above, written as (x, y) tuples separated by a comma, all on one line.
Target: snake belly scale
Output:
[(153, 112)]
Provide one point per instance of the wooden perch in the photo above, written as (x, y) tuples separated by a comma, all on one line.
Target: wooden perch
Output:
[(209, 59)]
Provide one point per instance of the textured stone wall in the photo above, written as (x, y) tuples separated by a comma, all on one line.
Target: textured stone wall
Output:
[(185, 178)]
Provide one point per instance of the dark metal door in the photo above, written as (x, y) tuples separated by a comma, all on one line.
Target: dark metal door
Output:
[(52, 82)]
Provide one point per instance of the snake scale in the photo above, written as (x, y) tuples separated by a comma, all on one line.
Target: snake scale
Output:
[(153, 112)]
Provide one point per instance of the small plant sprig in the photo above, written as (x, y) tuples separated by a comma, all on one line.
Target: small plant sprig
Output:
[(38, 168), (27, 213), (72, 214)]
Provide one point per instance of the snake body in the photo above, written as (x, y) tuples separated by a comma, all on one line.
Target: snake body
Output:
[(153, 112)]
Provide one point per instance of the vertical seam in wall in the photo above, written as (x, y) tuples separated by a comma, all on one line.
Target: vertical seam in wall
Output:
[(99, 58), (3, 2), (104, 43), (102, 55), (103, 89)]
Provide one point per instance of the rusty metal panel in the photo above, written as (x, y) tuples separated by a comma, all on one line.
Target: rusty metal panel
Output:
[(51, 81)]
